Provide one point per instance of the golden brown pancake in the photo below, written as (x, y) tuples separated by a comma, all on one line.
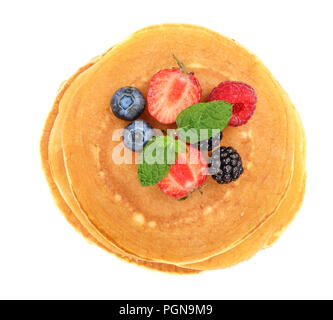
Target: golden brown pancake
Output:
[(224, 226), (236, 252)]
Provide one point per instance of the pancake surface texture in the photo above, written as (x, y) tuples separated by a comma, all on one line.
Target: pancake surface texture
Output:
[(103, 199)]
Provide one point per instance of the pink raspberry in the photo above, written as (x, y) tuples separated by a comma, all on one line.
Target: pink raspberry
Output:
[(241, 96)]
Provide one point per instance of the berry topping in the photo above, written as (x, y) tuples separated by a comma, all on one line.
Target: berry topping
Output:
[(210, 143), (137, 134), (128, 103), (241, 96), (171, 91), (225, 165), (187, 174)]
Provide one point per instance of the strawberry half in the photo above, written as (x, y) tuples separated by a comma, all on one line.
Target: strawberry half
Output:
[(187, 174), (171, 91)]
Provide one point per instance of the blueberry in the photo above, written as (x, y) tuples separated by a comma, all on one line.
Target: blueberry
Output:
[(210, 143), (137, 134), (128, 103)]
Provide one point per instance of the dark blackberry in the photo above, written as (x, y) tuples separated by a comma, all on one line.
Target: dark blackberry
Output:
[(225, 165), (210, 143)]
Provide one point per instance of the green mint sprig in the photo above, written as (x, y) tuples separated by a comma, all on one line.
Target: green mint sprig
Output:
[(160, 153), (157, 157), (207, 116)]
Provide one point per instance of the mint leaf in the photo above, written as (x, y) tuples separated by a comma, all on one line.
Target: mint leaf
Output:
[(207, 117), (158, 155)]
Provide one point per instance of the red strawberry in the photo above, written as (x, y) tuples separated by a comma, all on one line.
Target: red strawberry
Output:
[(187, 174), (171, 91), (241, 96)]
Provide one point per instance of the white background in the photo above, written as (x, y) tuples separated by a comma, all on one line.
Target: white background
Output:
[(44, 42)]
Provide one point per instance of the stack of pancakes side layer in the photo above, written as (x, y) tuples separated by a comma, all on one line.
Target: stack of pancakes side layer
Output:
[(104, 201)]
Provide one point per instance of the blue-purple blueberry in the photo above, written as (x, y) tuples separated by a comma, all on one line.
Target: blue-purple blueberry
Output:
[(128, 103), (137, 134)]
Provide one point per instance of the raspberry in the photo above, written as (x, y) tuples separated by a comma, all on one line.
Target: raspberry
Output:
[(225, 165), (241, 96)]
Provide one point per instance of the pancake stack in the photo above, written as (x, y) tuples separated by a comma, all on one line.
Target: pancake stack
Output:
[(104, 201)]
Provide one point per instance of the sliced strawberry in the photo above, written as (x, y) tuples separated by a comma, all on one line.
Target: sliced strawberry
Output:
[(171, 91), (241, 96), (187, 174)]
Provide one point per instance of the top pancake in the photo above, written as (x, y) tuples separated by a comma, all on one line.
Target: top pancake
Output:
[(52, 159), (144, 221)]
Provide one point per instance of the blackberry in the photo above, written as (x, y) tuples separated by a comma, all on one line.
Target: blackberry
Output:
[(210, 143), (225, 165)]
